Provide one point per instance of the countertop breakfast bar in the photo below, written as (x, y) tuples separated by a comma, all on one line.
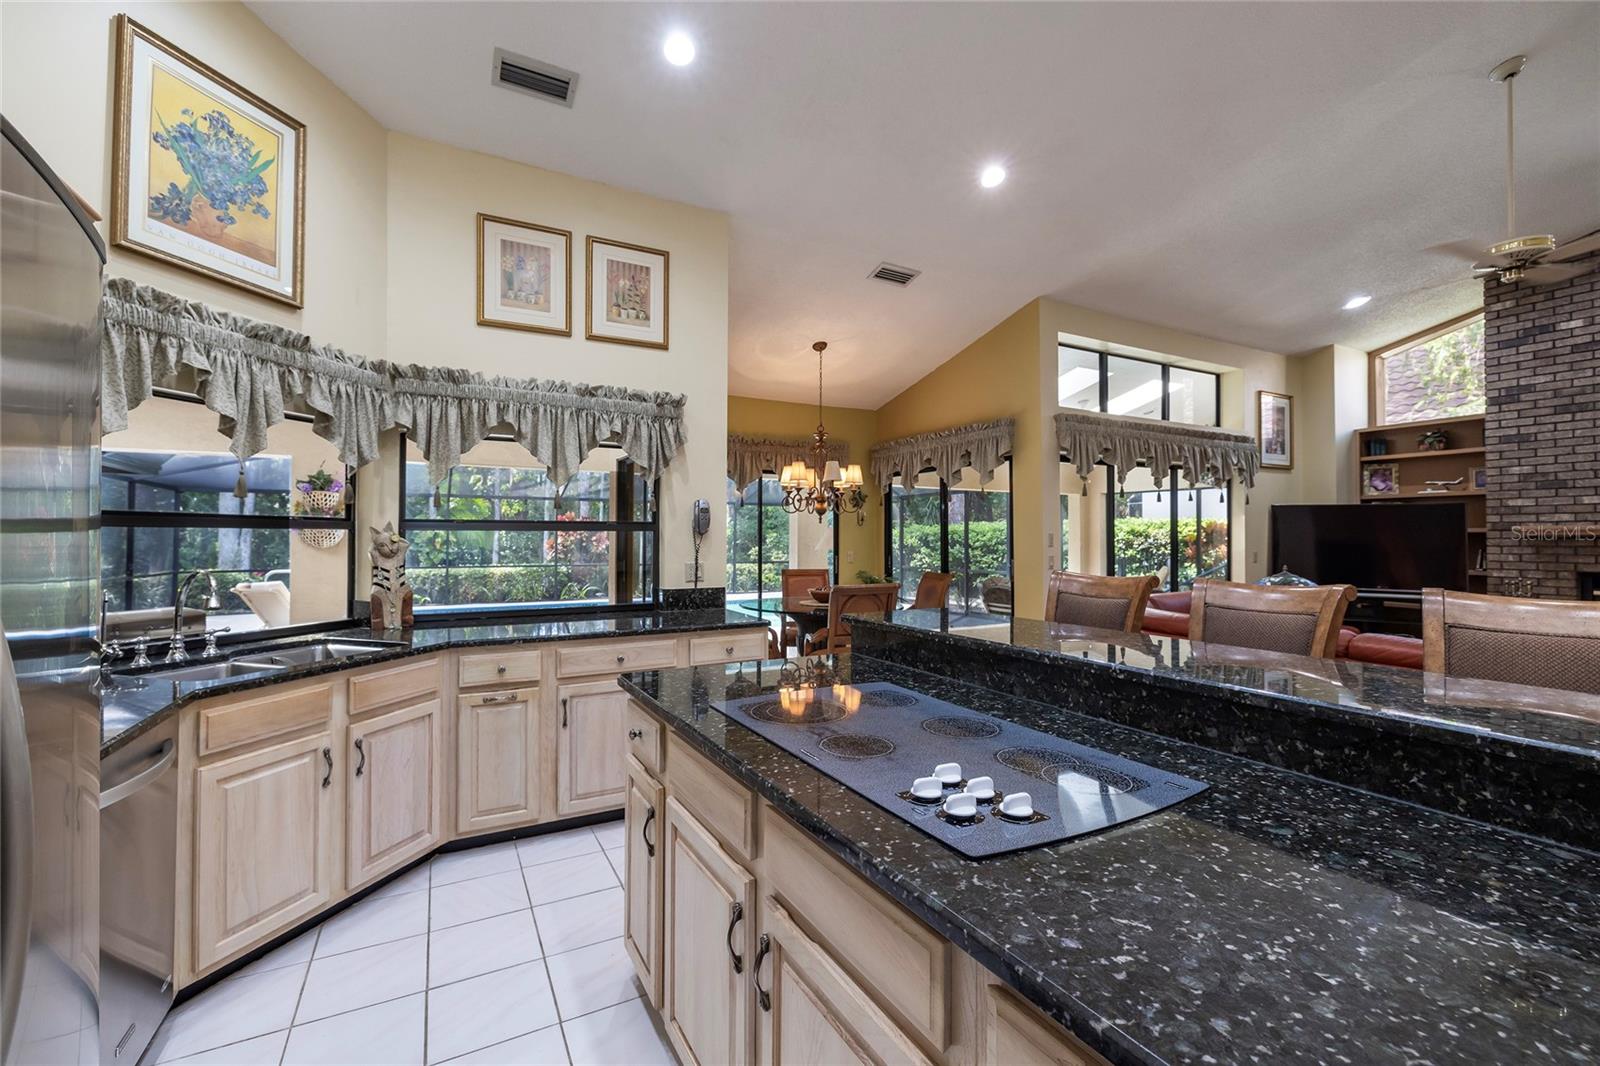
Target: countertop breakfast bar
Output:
[(1276, 917)]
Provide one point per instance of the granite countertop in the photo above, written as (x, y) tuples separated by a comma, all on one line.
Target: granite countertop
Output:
[(132, 703), (1275, 918)]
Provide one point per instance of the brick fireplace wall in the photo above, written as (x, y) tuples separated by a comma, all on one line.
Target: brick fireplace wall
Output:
[(1542, 429)]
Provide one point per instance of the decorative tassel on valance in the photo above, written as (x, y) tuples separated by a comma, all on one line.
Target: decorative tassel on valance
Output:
[(1204, 454), (982, 445), (250, 372), (751, 457)]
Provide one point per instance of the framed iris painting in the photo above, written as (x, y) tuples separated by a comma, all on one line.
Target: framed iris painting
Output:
[(208, 176), (627, 294), (524, 276)]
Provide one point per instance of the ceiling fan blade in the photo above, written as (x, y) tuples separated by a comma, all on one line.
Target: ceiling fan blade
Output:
[(1467, 250), (1548, 273), (1574, 248)]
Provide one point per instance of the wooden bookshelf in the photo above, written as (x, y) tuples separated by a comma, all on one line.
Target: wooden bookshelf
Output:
[(1415, 467)]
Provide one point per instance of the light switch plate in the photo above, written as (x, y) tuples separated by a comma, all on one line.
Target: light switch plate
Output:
[(689, 573)]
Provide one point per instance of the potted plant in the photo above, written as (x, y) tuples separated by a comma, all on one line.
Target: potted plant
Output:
[(323, 493), (1435, 440)]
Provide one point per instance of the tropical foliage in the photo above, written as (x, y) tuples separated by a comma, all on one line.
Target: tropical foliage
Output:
[(1439, 379)]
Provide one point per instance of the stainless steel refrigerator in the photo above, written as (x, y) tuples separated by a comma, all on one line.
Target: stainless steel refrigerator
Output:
[(50, 265)]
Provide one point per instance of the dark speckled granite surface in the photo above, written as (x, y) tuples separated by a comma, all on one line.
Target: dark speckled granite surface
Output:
[(1523, 758), (1275, 918), (133, 703)]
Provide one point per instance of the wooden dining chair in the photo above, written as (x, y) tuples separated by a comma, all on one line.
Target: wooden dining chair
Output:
[(1295, 621), (845, 600), (796, 583), (1098, 601), (1546, 643), (932, 590)]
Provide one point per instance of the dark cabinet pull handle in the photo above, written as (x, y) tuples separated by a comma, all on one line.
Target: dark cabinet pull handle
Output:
[(735, 916), (644, 833), (622, 658), (327, 757), (563, 712), (635, 734), (361, 751), (763, 948), (500, 669)]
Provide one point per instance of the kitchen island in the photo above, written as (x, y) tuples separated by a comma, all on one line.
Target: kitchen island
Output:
[(1274, 918)]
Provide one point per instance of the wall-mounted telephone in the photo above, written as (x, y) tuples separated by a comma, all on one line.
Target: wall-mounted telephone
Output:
[(701, 525)]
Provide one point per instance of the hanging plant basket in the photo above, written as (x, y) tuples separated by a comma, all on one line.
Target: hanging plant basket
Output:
[(325, 502), (321, 538)]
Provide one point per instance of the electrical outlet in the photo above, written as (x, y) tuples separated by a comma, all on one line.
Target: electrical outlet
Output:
[(850, 557), (1255, 557), (689, 573)]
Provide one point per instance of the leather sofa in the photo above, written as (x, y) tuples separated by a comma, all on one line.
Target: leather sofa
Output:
[(1168, 616)]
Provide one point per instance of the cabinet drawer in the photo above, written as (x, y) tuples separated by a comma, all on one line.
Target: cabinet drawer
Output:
[(905, 965), (644, 738), (490, 667), (727, 647), (722, 804), (616, 658), (233, 723), (408, 683)]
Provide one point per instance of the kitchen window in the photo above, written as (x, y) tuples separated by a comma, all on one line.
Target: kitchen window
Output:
[(962, 528), (174, 500), (498, 534)]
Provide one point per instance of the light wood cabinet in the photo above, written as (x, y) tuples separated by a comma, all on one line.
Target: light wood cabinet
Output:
[(642, 862), (590, 747), (1016, 1034), (497, 760), (809, 1011), (264, 844), (707, 943), (395, 785)]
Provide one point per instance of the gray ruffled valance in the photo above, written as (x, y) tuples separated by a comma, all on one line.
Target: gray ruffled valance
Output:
[(750, 457), (248, 372), (981, 445), (1204, 453)]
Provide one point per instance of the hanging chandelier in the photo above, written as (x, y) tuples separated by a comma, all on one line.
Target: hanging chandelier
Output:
[(834, 489)]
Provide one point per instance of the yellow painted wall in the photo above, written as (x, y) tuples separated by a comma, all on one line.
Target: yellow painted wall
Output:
[(996, 376), (860, 546)]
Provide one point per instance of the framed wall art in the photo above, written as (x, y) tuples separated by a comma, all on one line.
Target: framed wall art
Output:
[(207, 175), (524, 276), (1380, 479), (627, 294), (1275, 429)]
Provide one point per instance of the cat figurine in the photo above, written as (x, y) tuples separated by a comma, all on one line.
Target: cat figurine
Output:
[(391, 592)]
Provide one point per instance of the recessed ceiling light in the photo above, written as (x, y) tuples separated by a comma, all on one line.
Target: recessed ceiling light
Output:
[(1355, 302), (679, 49), (992, 175)]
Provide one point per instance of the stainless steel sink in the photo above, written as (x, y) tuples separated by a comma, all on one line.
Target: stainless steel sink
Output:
[(214, 671), (312, 652)]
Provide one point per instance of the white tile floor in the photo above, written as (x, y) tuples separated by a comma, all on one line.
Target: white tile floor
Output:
[(507, 953)]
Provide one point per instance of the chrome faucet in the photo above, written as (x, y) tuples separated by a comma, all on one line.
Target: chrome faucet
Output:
[(176, 652)]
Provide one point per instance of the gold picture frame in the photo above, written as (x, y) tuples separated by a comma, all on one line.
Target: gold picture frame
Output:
[(631, 318), (189, 114), (540, 305), (1275, 430)]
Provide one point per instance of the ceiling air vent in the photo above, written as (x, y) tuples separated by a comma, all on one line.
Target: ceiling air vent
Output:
[(896, 275), (525, 75)]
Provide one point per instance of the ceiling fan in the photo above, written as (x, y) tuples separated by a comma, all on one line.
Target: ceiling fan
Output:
[(1534, 258)]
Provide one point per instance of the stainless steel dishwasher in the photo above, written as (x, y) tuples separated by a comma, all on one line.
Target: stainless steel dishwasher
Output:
[(138, 876)]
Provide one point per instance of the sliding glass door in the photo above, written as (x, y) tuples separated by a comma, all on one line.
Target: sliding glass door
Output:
[(1179, 534), (963, 529)]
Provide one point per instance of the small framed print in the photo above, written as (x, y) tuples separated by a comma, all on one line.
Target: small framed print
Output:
[(524, 276), (1275, 429), (1380, 479), (1478, 478), (206, 175), (627, 294)]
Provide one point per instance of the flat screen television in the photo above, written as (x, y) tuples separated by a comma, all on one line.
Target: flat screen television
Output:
[(1400, 546)]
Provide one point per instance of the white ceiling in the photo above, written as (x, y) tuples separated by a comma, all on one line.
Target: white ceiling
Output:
[(1234, 170)]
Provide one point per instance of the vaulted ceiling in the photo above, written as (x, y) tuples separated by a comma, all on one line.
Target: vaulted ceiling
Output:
[(1234, 170)]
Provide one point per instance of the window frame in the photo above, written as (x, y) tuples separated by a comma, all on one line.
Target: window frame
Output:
[(129, 520), (944, 526), (1377, 367), (761, 541), (622, 503)]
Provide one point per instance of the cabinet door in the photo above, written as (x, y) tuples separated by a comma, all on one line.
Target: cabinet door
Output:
[(496, 760), (591, 742), (641, 918), (1016, 1034), (264, 844), (706, 948), (395, 779), (810, 1013)]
